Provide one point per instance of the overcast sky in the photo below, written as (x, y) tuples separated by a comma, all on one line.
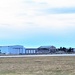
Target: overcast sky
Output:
[(37, 22)]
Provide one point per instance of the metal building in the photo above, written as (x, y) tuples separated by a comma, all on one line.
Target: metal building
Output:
[(15, 49), (46, 49), (41, 50)]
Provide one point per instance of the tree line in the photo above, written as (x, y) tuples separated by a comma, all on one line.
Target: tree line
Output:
[(65, 49)]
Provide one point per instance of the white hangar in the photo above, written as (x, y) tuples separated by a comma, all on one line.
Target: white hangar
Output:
[(15, 49)]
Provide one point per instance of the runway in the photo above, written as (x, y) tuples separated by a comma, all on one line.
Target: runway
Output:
[(16, 56)]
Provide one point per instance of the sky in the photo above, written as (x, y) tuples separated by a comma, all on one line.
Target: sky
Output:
[(33, 23)]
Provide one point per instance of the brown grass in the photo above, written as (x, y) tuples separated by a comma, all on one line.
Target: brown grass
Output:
[(37, 66)]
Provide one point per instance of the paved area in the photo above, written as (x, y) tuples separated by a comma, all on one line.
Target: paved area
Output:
[(38, 55)]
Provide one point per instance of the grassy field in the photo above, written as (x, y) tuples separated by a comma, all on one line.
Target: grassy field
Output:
[(37, 66)]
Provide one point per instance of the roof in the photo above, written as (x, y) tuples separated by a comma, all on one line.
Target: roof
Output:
[(16, 46), (46, 47), (31, 48)]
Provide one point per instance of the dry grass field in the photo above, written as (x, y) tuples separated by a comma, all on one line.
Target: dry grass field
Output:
[(37, 66)]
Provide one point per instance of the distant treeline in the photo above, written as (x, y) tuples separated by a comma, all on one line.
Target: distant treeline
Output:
[(65, 49)]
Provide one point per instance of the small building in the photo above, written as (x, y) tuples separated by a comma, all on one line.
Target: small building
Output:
[(60, 52), (30, 50), (46, 49)]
